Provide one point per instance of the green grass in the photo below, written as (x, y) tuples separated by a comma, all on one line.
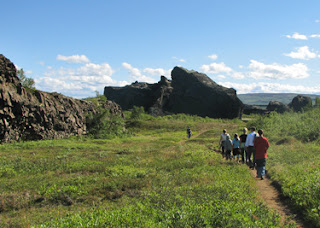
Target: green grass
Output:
[(153, 178)]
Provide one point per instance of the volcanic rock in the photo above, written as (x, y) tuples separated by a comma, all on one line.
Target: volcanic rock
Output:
[(300, 103), (31, 114), (277, 106), (189, 92)]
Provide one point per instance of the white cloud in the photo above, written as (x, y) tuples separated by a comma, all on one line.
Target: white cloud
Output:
[(317, 21), (180, 60), (78, 82), (237, 75), (297, 36), (263, 87), (302, 53), (216, 68), (315, 36), (157, 71), (277, 71), (220, 76), (136, 74), (213, 57), (74, 58)]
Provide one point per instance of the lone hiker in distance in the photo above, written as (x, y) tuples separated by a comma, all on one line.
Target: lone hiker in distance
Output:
[(261, 145), (189, 132)]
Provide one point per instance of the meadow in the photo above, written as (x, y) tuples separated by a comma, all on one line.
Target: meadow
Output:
[(152, 176)]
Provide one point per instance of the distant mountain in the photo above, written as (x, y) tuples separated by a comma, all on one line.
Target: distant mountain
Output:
[(264, 98)]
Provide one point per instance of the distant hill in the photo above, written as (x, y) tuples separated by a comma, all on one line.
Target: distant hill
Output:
[(264, 98)]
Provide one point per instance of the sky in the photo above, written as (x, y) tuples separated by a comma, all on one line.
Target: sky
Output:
[(77, 47)]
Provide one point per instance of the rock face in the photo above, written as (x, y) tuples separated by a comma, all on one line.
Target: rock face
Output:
[(189, 92), (300, 102), (33, 115), (277, 106)]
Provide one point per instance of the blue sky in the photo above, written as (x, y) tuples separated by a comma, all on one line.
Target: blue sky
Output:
[(79, 47)]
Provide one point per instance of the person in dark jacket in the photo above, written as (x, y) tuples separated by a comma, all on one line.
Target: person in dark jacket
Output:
[(261, 146), (243, 139), (189, 132)]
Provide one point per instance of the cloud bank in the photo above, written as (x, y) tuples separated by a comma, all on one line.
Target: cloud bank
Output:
[(264, 87), (79, 82)]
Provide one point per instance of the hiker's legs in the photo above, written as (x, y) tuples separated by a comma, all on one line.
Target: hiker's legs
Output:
[(223, 152), (228, 154), (242, 155), (261, 167), (249, 152), (254, 157)]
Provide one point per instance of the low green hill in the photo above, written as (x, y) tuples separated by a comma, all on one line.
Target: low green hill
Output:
[(264, 98)]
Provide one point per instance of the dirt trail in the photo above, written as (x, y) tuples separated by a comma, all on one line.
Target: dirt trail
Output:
[(272, 197)]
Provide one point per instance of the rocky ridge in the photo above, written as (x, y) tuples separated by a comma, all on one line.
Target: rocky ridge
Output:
[(32, 115), (188, 92)]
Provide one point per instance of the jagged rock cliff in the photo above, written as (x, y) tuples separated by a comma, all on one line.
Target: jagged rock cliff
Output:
[(33, 115), (189, 92)]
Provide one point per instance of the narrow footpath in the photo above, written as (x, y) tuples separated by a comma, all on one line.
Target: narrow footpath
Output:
[(273, 200)]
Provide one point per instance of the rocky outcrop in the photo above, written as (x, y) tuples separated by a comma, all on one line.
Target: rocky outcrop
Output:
[(188, 92), (254, 109), (300, 103), (277, 106), (31, 115)]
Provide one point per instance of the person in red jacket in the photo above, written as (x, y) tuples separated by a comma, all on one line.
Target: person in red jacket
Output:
[(261, 145)]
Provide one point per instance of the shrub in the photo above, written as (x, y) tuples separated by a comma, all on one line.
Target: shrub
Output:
[(137, 113)]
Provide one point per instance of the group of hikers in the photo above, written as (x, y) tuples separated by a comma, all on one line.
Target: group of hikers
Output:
[(253, 145)]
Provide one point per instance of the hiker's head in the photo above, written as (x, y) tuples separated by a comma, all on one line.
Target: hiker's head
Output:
[(235, 135), (224, 131), (245, 130), (260, 132), (252, 129), (227, 137)]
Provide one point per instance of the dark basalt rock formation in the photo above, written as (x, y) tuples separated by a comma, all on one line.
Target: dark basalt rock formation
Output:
[(189, 92), (33, 115), (277, 106), (254, 109), (300, 102)]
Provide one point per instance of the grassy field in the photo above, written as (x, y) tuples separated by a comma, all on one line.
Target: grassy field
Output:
[(152, 177)]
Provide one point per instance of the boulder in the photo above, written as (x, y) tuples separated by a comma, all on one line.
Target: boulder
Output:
[(254, 109), (188, 92), (32, 115), (300, 103), (277, 106)]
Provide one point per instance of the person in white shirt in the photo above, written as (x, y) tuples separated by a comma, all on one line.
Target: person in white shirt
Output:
[(249, 145), (223, 138)]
